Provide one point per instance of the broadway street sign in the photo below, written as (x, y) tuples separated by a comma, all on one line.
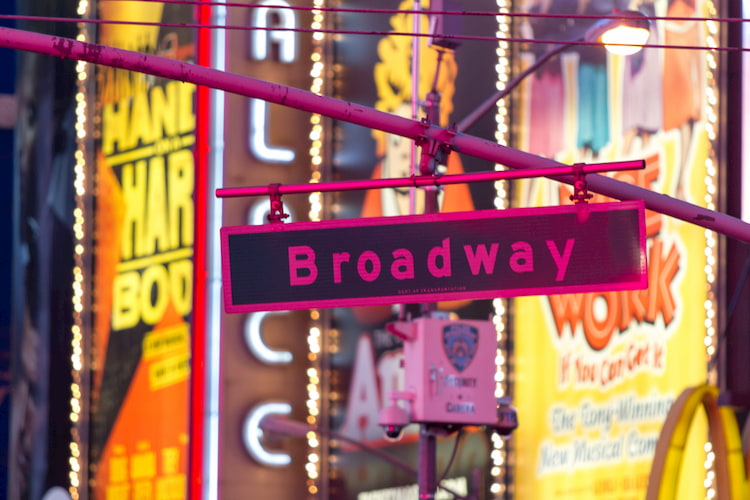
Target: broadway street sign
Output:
[(434, 257)]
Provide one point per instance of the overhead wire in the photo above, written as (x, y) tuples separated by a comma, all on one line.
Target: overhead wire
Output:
[(360, 10), (21, 17), (462, 13)]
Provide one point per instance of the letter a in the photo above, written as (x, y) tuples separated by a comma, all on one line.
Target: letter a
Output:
[(402, 267), (302, 257), (522, 260)]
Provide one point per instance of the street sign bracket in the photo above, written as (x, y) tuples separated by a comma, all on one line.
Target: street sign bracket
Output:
[(580, 189), (276, 213), (434, 152)]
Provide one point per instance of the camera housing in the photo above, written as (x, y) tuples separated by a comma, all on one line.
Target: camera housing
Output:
[(393, 432), (507, 417), (393, 419)]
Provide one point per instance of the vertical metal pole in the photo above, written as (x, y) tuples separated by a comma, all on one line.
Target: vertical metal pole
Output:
[(415, 55), (427, 449), (426, 465)]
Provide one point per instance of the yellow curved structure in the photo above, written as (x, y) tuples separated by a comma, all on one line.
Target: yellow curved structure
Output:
[(729, 464)]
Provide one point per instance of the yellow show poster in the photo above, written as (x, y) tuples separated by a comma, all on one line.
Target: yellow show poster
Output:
[(143, 282), (595, 374)]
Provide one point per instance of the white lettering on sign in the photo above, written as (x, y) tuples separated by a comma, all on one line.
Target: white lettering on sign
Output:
[(285, 38), (459, 407), (270, 15), (258, 142), (456, 381), (303, 268), (458, 485), (256, 344), (252, 434)]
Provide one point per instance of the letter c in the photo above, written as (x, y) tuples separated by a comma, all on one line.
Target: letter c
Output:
[(256, 344), (252, 434)]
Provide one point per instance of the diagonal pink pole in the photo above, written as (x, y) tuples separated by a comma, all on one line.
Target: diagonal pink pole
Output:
[(362, 115)]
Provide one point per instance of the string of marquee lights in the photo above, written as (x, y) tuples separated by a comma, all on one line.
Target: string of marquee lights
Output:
[(710, 180), (314, 336), (76, 464), (499, 454)]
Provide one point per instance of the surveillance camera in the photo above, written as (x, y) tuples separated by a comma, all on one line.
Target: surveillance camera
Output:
[(393, 419), (393, 432), (507, 417)]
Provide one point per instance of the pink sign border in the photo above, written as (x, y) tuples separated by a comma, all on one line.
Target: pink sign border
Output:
[(641, 283)]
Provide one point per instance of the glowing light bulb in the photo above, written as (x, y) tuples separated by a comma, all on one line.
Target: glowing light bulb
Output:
[(627, 40)]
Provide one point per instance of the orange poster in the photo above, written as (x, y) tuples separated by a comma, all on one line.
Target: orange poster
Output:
[(144, 269)]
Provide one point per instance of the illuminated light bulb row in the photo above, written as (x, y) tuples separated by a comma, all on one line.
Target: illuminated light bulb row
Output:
[(79, 278), (710, 182), (312, 467), (710, 481), (499, 454), (314, 336), (317, 86)]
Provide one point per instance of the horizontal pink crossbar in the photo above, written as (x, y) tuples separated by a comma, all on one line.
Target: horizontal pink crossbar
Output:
[(427, 180)]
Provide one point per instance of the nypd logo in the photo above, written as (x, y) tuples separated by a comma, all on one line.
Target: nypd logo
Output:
[(460, 343)]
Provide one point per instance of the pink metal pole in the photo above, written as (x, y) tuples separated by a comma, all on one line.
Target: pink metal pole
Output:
[(361, 115), (424, 180)]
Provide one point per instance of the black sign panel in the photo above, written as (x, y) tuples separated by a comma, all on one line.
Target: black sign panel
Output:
[(427, 258)]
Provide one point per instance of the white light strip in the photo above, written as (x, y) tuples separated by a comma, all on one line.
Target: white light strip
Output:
[(213, 250), (256, 344), (499, 454), (314, 336), (711, 94), (76, 473), (258, 111), (284, 36), (710, 181), (252, 434)]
